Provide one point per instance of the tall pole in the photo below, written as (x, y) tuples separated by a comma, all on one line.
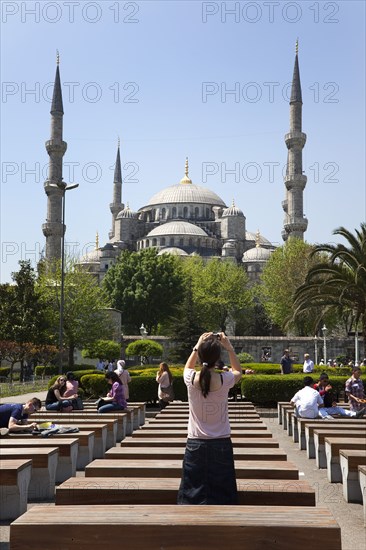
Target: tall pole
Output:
[(62, 295), (316, 349), (356, 347), (324, 329)]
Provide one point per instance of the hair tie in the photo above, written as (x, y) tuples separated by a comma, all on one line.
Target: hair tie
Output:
[(205, 364)]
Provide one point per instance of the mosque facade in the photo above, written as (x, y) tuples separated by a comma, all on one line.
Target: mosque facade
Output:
[(183, 219)]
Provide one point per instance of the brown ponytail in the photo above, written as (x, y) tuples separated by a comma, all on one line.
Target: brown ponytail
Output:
[(209, 352)]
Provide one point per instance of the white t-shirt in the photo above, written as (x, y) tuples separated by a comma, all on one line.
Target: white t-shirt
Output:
[(308, 366), (307, 401), (208, 416)]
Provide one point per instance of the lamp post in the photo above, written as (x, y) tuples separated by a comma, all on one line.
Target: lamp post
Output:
[(64, 188), (316, 349), (356, 347), (324, 331)]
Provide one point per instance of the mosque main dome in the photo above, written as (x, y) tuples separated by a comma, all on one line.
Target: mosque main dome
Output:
[(186, 193)]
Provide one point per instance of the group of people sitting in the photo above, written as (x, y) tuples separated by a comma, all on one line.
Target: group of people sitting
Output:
[(319, 400)]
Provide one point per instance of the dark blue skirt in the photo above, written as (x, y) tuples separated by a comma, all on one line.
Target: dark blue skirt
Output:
[(208, 473)]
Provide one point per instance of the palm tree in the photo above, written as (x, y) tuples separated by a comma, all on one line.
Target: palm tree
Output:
[(339, 281)]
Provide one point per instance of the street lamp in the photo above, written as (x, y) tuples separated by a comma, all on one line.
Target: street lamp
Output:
[(324, 331), (316, 349), (64, 188)]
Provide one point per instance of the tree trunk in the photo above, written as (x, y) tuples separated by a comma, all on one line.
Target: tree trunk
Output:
[(71, 356)]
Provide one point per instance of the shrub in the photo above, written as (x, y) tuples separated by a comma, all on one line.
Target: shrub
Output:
[(145, 388), (4, 372), (268, 390), (95, 385), (245, 358), (144, 348), (78, 376), (46, 370)]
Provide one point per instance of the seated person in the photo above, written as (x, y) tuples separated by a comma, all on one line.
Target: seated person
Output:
[(307, 401), (55, 400), (330, 402), (355, 392), (115, 399), (14, 416)]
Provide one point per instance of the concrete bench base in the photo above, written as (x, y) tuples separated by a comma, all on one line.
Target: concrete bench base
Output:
[(15, 476)]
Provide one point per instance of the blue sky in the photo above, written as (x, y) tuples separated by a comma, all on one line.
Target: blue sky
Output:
[(207, 80)]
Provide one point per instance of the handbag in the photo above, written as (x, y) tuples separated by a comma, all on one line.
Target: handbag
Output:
[(77, 404), (167, 394)]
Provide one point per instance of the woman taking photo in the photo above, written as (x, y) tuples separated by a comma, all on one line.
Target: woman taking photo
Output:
[(115, 399), (165, 380), (208, 467)]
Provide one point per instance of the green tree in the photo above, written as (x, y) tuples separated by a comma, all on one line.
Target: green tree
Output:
[(220, 291), (285, 271), (338, 281), (145, 287), (144, 349), (85, 317), (102, 349), (23, 316), (185, 327)]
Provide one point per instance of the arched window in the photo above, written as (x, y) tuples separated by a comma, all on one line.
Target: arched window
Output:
[(171, 242), (190, 242), (147, 243), (163, 214), (207, 213), (196, 212), (154, 242), (185, 212), (174, 212), (181, 242), (162, 241)]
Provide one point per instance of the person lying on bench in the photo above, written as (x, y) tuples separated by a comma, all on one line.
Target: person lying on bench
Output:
[(14, 416), (307, 401)]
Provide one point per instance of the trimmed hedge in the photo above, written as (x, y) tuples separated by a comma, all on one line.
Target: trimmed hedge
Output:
[(78, 376), (4, 372), (265, 390), (95, 385)]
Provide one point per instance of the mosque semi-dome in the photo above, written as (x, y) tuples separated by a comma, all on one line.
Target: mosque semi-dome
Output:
[(257, 254), (92, 257), (177, 228), (232, 211), (126, 213), (173, 250)]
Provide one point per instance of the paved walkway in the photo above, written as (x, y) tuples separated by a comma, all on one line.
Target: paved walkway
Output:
[(348, 516)]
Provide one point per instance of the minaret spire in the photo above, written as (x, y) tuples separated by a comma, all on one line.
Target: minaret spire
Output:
[(295, 224), (116, 206), (186, 178), (54, 186)]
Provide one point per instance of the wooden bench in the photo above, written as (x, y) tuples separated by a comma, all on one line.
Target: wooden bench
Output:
[(255, 492), (237, 419), (44, 464), (100, 430), (175, 453), (182, 426), (350, 460), (128, 414), (15, 476), (332, 448), (302, 422), (258, 442), (68, 452), (362, 479), (258, 431), (333, 428), (245, 469), (280, 405), (85, 439), (319, 441), (175, 527), (66, 419)]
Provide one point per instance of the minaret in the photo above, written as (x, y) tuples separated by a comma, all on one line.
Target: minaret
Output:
[(53, 186), (295, 223), (116, 206)]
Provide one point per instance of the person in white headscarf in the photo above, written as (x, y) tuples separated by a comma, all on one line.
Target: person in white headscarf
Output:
[(124, 376)]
